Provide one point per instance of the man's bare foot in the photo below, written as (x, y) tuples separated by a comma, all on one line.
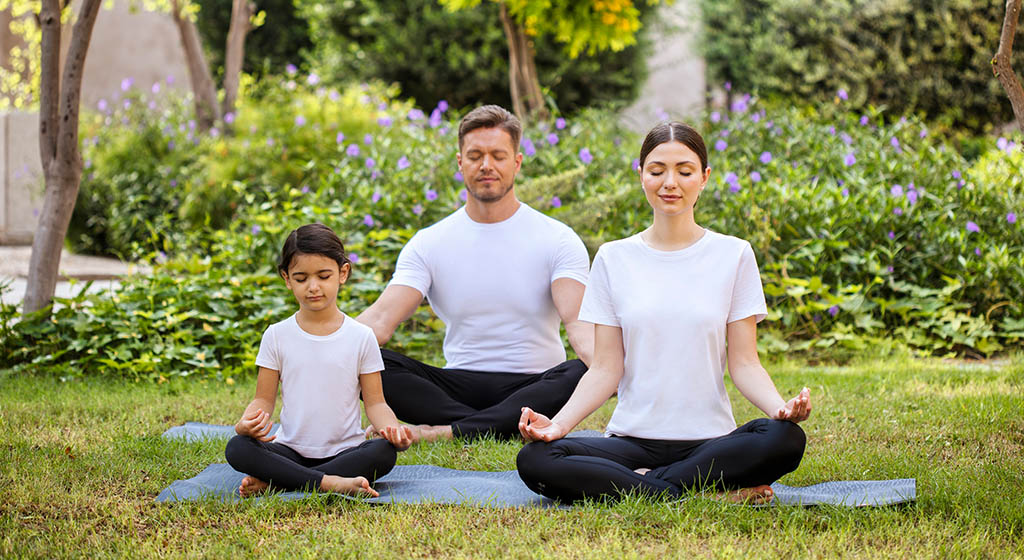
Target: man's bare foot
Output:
[(357, 486), (428, 434), (251, 486), (642, 471), (756, 495)]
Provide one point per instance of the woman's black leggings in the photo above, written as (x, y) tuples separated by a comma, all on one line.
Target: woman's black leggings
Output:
[(571, 469), (284, 468)]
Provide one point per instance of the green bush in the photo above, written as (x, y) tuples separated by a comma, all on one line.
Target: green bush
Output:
[(850, 259), (460, 57), (269, 48), (930, 58)]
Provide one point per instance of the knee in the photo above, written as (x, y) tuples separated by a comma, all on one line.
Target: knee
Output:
[(237, 449), (384, 456), (789, 440), (532, 461)]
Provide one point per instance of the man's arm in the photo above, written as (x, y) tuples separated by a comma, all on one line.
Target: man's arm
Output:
[(567, 295), (395, 305)]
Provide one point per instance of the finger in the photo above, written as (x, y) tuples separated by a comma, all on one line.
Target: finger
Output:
[(525, 418)]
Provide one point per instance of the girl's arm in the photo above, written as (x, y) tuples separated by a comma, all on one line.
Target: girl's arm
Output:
[(380, 414), (255, 421), (599, 383), (753, 381)]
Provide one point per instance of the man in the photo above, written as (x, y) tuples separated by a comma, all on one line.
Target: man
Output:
[(501, 276)]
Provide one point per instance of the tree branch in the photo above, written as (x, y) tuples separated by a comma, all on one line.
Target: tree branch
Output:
[(203, 90), (71, 84), (1001, 66), (234, 51), (49, 80)]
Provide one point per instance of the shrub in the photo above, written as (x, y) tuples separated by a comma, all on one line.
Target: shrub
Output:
[(930, 57)]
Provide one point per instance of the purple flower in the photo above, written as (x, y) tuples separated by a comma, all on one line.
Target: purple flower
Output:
[(340, 137), (528, 148), (442, 105), (418, 209), (458, 176), (755, 176), (102, 105), (585, 156), (732, 179), (898, 211), (1002, 143), (552, 139), (403, 163), (845, 192), (374, 175), (370, 162), (977, 251), (890, 269), (256, 229), (126, 84), (368, 220), (972, 227), (415, 114), (352, 150), (895, 142), (715, 116), (376, 197), (912, 196), (556, 202), (832, 130), (353, 258), (1011, 218), (834, 310), (635, 164), (740, 105), (291, 69), (728, 86), (368, 139), (924, 132), (300, 120), (155, 88), (384, 121), (960, 184), (955, 174), (170, 80), (896, 190), (174, 182), (850, 159), (734, 188), (305, 189), (559, 123), (435, 118), (312, 79), (892, 234), (333, 95), (270, 142), (661, 114), (841, 94), (864, 120), (170, 144), (721, 145), (766, 157), (755, 117), (431, 195), (846, 138)]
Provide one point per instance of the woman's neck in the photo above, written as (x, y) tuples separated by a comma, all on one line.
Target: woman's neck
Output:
[(320, 323), (672, 233)]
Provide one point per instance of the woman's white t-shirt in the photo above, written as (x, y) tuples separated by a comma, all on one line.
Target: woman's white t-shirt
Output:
[(320, 383), (673, 307)]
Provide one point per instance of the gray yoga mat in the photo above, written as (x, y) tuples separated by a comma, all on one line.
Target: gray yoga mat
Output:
[(198, 431), (418, 484)]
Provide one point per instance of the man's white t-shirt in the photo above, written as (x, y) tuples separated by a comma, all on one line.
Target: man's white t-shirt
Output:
[(320, 383), (673, 307), (491, 285)]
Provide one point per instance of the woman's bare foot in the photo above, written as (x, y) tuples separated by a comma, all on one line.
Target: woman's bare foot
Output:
[(756, 495), (251, 486), (357, 486), (642, 471), (428, 434)]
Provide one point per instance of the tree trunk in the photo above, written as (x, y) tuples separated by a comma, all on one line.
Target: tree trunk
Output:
[(1001, 62), (203, 89), (524, 87), (234, 52), (58, 144)]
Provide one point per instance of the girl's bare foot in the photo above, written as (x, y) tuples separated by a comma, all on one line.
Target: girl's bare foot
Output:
[(251, 486), (357, 486), (756, 495), (642, 471)]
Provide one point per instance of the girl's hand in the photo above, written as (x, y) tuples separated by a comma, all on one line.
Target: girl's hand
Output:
[(536, 427), (399, 436), (797, 409), (257, 425)]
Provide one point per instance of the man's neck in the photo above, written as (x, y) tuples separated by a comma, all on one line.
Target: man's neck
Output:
[(492, 212)]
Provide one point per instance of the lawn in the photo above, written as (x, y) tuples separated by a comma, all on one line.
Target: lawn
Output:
[(82, 461)]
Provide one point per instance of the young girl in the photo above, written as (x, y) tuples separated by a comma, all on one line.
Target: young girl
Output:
[(671, 306), (323, 360)]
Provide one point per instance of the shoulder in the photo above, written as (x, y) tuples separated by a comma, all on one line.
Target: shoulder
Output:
[(619, 248), (452, 222), (727, 243), (358, 329), (281, 327), (537, 219)]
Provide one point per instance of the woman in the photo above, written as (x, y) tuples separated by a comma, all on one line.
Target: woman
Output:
[(670, 305)]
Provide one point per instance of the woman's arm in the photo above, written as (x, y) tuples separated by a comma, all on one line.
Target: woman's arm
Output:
[(599, 383), (753, 381), (380, 414), (255, 421)]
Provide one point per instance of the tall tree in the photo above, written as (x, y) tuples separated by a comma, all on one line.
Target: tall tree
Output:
[(580, 26), (59, 98), (1001, 62)]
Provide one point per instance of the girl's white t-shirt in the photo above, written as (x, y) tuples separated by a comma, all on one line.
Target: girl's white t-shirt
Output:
[(673, 307), (320, 383)]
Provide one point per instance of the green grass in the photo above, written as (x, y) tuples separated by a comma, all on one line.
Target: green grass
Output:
[(81, 461)]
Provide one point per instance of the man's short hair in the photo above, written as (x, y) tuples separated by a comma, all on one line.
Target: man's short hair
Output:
[(491, 116)]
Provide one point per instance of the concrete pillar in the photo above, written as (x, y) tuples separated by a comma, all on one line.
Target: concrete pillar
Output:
[(21, 177)]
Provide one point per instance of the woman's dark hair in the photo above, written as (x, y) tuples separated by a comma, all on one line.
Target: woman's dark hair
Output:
[(675, 132), (491, 116), (312, 239)]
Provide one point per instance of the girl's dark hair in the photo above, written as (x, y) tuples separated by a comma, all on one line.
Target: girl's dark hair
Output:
[(677, 132), (312, 239)]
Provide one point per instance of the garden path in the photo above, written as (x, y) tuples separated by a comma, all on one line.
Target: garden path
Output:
[(74, 270)]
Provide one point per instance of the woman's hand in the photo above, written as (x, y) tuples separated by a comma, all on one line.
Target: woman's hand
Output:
[(256, 424), (797, 409), (399, 436), (536, 427)]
